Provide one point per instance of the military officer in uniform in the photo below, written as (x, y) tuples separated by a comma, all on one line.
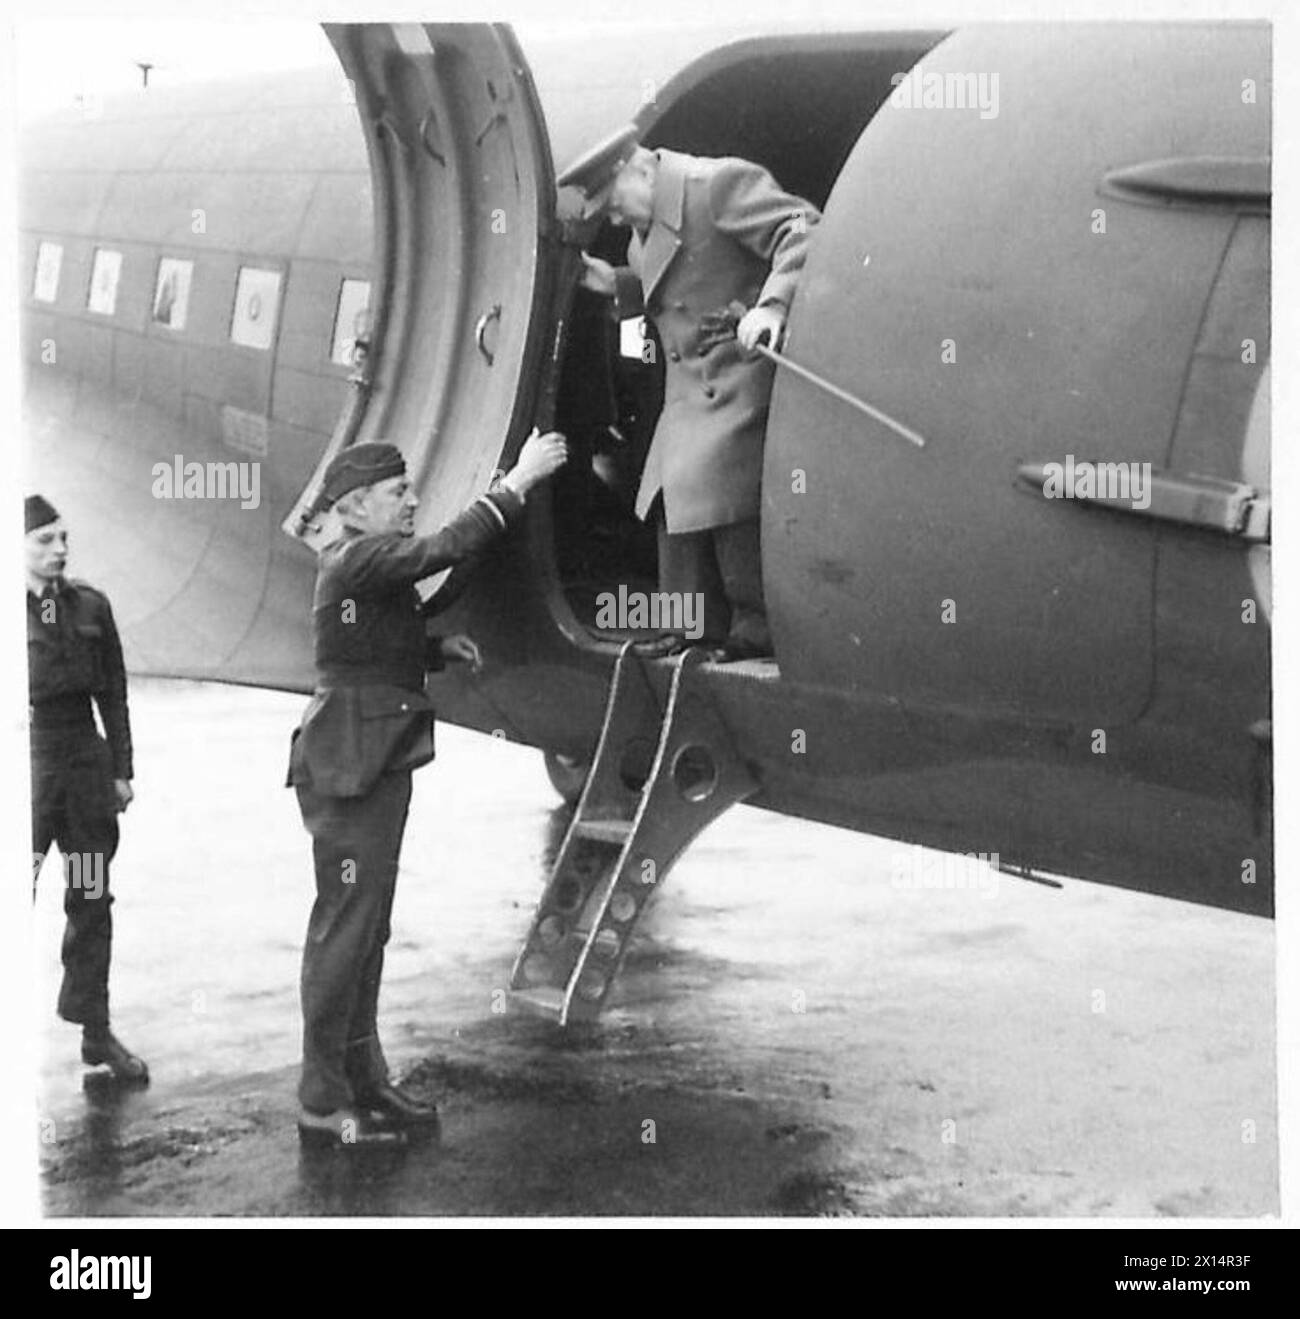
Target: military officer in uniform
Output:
[(367, 727), (706, 233), (80, 780)]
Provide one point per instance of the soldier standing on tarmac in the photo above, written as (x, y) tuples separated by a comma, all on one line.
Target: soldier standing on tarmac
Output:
[(80, 780)]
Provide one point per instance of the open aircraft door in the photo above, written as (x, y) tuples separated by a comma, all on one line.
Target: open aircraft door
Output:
[(464, 201)]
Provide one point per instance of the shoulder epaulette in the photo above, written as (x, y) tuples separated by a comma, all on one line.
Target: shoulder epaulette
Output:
[(81, 584)]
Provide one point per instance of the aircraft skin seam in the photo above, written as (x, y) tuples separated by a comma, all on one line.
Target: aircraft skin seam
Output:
[(1189, 365), (1153, 651)]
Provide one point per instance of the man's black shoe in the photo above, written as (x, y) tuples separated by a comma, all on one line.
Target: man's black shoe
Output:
[(386, 1098), (103, 1047), (660, 647), (735, 651), (345, 1128)]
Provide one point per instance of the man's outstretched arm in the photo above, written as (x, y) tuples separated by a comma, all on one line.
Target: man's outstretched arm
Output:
[(392, 559)]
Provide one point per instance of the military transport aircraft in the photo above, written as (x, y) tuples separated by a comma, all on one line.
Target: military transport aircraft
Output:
[(986, 643)]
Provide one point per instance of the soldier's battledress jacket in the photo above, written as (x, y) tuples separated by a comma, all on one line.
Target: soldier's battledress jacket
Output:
[(722, 230), (370, 715), (74, 656)]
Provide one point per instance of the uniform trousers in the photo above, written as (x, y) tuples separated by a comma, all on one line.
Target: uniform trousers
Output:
[(722, 565), (75, 806), (355, 846)]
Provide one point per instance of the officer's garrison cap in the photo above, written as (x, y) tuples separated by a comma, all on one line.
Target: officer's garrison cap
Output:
[(593, 172), (358, 465), (38, 512)]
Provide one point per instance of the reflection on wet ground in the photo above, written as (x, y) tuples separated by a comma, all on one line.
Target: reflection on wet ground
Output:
[(793, 1033)]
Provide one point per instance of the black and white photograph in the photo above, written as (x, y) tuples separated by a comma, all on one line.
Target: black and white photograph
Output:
[(646, 615)]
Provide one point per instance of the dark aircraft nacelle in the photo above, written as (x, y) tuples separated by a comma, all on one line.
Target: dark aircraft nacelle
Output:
[(1074, 270)]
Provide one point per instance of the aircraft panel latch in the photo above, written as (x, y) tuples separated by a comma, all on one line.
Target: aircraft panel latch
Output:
[(1229, 507)]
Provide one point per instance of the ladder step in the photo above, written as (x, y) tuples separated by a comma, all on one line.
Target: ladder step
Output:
[(605, 831), (584, 922), (540, 1001)]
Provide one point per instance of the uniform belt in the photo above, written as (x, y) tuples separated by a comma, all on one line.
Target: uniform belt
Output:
[(342, 675), (70, 713)]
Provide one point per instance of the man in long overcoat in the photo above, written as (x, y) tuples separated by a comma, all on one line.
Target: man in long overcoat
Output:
[(707, 233)]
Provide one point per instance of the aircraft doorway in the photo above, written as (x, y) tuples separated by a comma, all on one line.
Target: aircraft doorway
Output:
[(794, 105)]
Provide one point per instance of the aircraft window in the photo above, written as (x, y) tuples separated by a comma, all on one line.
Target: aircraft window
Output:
[(632, 338), (351, 321), (104, 276), (171, 295), (257, 299), (45, 283)]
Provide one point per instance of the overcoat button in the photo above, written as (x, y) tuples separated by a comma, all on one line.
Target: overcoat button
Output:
[(674, 356)]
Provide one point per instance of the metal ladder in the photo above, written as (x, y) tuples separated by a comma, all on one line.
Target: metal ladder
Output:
[(664, 768)]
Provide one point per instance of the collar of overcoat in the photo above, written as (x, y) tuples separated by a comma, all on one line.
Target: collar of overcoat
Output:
[(664, 239)]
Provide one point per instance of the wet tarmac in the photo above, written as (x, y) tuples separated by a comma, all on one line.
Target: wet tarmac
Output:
[(803, 1027)]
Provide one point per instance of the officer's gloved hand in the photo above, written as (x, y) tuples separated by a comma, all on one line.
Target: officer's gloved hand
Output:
[(598, 276), (460, 649), (761, 325)]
